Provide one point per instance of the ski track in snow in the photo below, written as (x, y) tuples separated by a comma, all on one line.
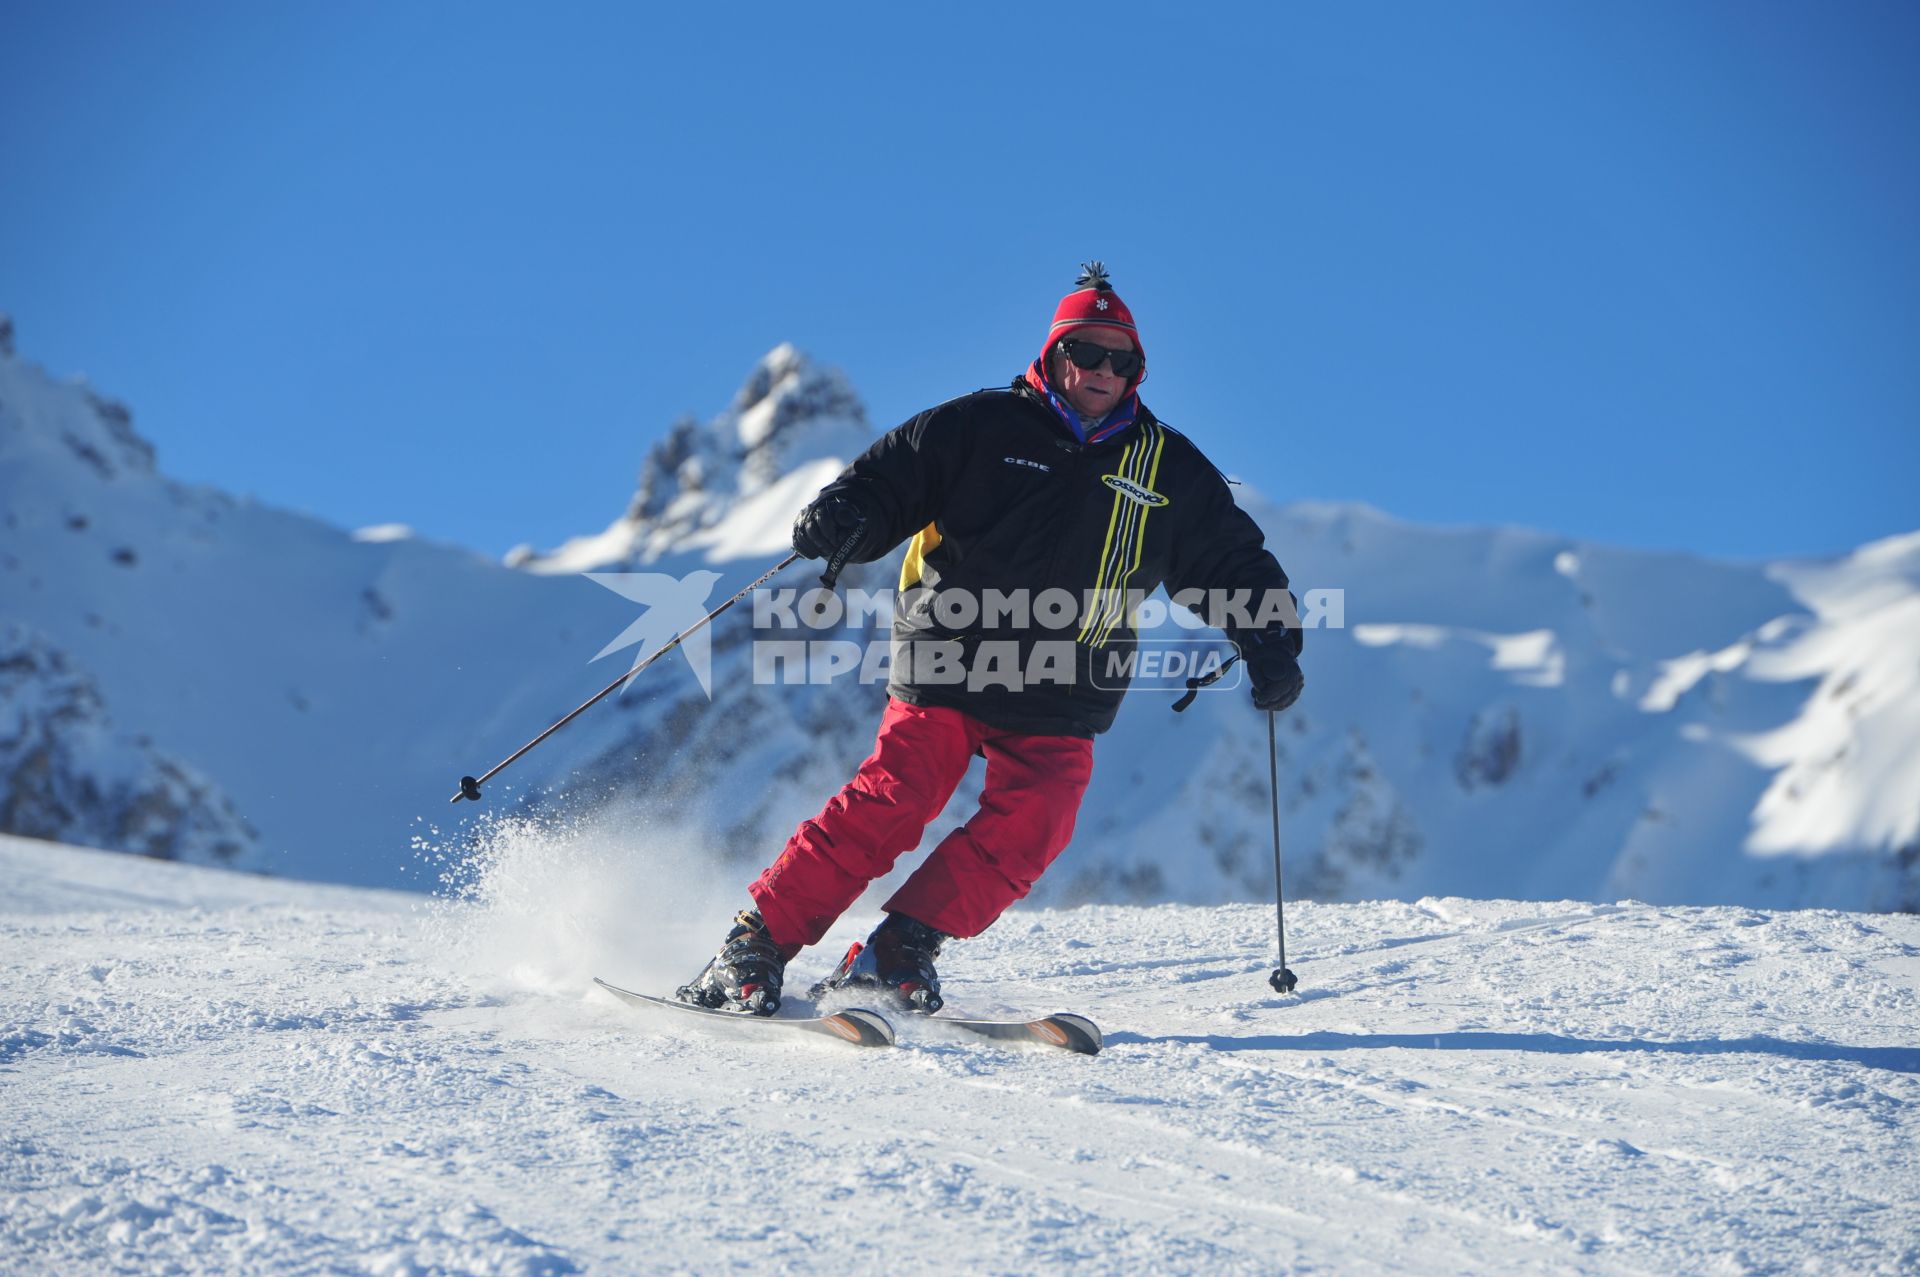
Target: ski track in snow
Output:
[(205, 1072)]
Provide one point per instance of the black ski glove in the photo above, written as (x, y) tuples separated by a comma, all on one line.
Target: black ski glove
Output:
[(824, 526), (1272, 668)]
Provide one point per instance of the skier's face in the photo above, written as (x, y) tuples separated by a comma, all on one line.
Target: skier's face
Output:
[(1093, 392)]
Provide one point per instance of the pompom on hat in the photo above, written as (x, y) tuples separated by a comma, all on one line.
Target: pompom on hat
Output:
[(1093, 304)]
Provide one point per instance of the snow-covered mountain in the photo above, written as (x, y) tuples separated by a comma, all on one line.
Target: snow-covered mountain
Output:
[(65, 771), (1502, 712)]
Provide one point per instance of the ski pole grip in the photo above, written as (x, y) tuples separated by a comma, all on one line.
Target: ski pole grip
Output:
[(841, 555)]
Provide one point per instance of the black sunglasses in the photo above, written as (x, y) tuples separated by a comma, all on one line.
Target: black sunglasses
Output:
[(1088, 355)]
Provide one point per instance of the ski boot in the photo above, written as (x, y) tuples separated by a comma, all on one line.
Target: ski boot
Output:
[(897, 959), (745, 975)]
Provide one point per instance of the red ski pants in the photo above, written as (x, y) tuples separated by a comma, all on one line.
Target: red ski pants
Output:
[(1033, 791)]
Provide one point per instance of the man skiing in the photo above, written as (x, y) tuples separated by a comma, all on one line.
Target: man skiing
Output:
[(1063, 486)]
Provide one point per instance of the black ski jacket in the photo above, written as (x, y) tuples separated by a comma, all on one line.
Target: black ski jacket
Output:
[(1000, 499)]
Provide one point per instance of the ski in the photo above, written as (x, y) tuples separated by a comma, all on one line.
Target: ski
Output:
[(1073, 1033), (851, 1024)]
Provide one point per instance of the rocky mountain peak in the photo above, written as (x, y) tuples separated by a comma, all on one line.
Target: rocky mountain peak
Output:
[(787, 412), (66, 772)]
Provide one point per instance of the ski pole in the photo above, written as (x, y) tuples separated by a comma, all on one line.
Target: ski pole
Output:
[(470, 785), (1282, 979)]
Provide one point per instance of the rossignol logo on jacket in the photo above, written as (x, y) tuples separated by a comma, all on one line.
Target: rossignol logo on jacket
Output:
[(1128, 488)]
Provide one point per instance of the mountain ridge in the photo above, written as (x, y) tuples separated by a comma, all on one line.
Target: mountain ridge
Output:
[(1504, 711)]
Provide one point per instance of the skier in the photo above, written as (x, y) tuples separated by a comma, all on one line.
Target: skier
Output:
[(1063, 485)]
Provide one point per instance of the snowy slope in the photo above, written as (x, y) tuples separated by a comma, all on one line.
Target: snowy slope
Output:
[(1503, 713), (208, 1072)]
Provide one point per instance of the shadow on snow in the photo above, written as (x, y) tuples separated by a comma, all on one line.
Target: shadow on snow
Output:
[(1894, 1058)]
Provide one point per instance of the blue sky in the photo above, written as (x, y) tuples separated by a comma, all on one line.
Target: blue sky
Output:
[(1647, 274)]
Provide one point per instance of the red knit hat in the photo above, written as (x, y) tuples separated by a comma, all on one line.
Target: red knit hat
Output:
[(1093, 304)]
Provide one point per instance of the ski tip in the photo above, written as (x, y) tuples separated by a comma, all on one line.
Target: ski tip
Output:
[(862, 1027), (1074, 1032)]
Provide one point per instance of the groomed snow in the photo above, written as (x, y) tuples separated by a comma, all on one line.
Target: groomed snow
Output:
[(207, 1072)]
